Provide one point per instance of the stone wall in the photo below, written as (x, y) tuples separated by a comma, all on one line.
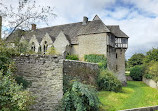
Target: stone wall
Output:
[(85, 71), (150, 83), (92, 44), (46, 75), (151, 108)]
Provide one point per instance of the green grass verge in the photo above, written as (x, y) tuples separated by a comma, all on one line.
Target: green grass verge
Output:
[(136, 94)]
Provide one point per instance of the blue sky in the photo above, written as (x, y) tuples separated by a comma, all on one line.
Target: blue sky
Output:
[(137, 18)]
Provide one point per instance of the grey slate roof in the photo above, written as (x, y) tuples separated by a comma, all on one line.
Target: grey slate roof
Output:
[(115, 29), (73, 30)]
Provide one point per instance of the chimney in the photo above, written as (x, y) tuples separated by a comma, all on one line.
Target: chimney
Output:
[(0, 27), (33, 26), (85, 20)]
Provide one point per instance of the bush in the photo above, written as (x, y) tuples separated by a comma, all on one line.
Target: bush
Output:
[(80, 97), (95, 58), (108, 82), (72, 57), (152, 71), (137, 72), (12, 97), (20, 80)]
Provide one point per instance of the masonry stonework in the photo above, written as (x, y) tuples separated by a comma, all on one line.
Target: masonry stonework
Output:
[(46, 76), (92, 44), (84, 71)]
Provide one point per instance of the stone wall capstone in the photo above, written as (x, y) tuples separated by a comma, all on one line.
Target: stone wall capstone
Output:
[(46, 76), (85, 71)]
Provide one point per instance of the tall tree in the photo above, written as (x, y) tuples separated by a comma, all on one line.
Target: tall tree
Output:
[(22, 15), (136, 59)]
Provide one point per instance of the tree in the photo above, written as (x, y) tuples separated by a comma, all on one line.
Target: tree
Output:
[(136, 59), (23, 15), (151, 55)]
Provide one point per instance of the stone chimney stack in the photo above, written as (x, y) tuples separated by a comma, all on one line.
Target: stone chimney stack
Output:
[(85, 20), (33, 26), (0, 27)]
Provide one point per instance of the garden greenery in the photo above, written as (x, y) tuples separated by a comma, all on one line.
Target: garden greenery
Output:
[(108, 82), (72, 57), (12, 95), (95, 58), (152, 71), (137, 72), (80, 97)]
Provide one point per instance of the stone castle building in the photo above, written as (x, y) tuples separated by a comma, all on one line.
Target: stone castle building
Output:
[(82, 38)]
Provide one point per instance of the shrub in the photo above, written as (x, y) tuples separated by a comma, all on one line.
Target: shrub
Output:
[(12, 97), (20, 80), (95, 58), (137, 72), (108, 82), (80, 97), (72, 57), (152, 71)]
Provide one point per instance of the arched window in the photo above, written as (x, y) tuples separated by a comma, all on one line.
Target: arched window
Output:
[(45, 47), (33, 46)]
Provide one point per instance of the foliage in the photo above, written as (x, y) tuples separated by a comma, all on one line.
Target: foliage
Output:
[(95, 58), (134, 92), (152, 71), (151, 55), (108, 82), (21, 81), (137, 72), (51, 51), (136, 59), (80, 97), (25, 13), (12, 97), (72, 57), (21, 47)]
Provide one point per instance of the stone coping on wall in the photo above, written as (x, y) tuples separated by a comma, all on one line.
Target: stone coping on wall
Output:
[(150, 108), (77, 61)]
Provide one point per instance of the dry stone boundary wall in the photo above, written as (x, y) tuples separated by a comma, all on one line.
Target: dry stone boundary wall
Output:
[(46, 75)]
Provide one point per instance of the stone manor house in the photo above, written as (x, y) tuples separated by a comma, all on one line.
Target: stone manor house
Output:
[(81, 38)]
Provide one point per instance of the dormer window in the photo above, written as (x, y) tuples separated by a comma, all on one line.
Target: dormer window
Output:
[(45, 47), (33, 46)]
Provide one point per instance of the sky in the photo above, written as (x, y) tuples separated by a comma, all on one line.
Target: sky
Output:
[(137, 18)]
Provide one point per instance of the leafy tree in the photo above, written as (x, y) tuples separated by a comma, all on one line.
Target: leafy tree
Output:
[(25, 13), (137, 72), (136, 59), (151, 55)]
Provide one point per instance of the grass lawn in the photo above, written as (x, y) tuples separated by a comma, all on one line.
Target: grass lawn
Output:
[(136, 94)]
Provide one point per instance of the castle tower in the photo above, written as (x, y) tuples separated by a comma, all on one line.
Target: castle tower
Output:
[(121, 45)]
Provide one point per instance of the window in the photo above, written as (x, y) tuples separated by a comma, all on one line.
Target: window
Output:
[(116, 68), (33, 46), (116, 55), (45, 47)]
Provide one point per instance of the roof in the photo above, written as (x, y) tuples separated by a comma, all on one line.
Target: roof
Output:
[(115, 29), (73, 30)]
